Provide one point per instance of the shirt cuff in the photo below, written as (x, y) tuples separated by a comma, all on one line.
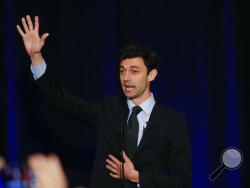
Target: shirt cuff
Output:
[(39, 70)]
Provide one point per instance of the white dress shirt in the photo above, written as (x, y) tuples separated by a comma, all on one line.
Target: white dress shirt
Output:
[(144, 115)]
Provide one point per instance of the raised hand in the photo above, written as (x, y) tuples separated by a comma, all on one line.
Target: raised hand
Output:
[(32, 41)]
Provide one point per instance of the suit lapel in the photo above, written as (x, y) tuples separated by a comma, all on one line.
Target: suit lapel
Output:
[(151, 127)]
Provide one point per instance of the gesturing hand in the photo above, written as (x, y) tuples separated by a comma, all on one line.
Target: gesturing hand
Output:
[(32, 41), (48, 171), (114, 166)]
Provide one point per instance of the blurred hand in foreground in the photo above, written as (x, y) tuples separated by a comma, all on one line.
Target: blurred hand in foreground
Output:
[(48, 171)]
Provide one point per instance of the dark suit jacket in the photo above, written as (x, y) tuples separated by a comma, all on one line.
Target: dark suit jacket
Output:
[(163, 157)]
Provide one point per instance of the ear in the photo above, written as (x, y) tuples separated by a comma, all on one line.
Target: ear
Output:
[(152, 75)]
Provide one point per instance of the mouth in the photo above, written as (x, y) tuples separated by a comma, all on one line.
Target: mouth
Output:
[(128, 88)]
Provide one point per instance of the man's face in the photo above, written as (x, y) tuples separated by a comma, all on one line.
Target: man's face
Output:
[(134, 78)]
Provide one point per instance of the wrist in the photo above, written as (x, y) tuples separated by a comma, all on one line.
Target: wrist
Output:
[(135, 176), (36, 59)]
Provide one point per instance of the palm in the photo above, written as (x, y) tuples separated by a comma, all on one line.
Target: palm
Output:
[(32, 43), (128, 166)]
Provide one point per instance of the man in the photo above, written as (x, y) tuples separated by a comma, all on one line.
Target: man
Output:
[(149, 138)]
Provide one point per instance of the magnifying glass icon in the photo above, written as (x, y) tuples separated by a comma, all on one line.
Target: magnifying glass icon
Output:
[(231, 159)]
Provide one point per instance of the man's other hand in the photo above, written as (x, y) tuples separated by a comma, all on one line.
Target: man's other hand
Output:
[(115, 167)]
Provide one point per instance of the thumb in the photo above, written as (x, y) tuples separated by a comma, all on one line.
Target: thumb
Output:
[(44, 36), (125, 157)]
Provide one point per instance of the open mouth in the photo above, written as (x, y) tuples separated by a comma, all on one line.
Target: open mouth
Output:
[(128, 88)]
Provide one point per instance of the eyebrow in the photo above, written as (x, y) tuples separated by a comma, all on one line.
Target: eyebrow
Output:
[(133, 66)]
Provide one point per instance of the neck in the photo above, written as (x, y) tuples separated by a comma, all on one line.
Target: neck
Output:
[(141, 99)]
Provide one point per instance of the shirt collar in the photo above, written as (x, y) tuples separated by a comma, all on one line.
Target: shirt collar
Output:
[(147, 105)]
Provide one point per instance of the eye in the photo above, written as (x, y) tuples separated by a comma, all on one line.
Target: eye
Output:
[(121, 71), (134, 71)]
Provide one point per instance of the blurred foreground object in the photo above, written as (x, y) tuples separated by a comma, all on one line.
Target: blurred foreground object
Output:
[(2, 163), (48, 171)]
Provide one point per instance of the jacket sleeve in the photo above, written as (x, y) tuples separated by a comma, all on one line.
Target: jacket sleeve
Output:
[(67, 102), (179, 173)]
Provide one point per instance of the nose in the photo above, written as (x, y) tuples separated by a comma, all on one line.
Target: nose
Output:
[(126, 76)]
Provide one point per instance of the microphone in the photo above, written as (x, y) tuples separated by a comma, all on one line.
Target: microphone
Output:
[(123, 139)]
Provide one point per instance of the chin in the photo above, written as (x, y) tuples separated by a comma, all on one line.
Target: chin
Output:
[(131, 97)]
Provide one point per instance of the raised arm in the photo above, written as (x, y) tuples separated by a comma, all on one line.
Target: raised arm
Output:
[(32, 41), (58, 95)]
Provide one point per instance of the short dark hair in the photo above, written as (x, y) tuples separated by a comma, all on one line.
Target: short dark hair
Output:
[(136, 50)]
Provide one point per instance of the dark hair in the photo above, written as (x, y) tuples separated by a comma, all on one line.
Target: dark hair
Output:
[(136, 50)]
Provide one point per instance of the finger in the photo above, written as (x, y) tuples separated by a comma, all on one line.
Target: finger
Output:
[(30, 24), (37, 162), (109, 162), (54, 161), (2, 163), (125, 157), (55, 165), (114, 175), (41, 165), (37, 24), (44, 36), (115, 171), (25, 25), (115, 160), (20, 31)]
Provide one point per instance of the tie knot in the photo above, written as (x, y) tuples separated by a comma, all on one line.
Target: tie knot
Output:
[(136, 110)]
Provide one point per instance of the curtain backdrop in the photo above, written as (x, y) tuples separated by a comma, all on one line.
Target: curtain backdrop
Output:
[(203, 49)]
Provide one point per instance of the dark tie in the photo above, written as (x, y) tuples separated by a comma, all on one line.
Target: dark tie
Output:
[(132, 132)]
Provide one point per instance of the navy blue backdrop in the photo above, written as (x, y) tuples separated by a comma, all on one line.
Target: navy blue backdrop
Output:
[(203, 49)]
